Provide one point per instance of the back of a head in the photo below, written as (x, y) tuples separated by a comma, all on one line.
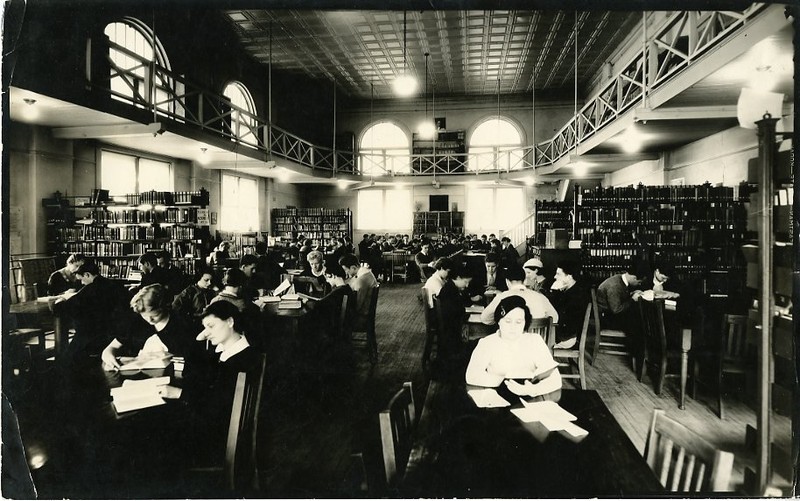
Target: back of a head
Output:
[(515, 273), (459, 271), (153, 297), (571, 268), (248, 259), (88, 266), (444, 263), (348, 260), (234, 277), (492, 258), (149, 258)]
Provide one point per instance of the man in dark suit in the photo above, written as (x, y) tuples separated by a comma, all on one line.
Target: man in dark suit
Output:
[(616, 299), (493, 278), (569, 297), (453, 298)]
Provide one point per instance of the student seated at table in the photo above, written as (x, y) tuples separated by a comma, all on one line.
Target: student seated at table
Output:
[(453, 298), (209, 382), (176, 280), (616, 298), (534, 278), (538, 305), (193, 299), (510, 353), (268, 268), (99, 308), (163, 331), (220, 255), (492, 279), (661, 280), (232, 282), (64, 279), (361, 280), (435, 283), (569, 296), (316, 270), (152, 274), (425, 261)]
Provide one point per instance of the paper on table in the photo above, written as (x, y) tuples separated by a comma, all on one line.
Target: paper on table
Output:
[(474, 318), (267, 299), (575, 430), (547, 411), (140, 394), (290, 305), (157, 360), (475, 308), (283, 287), (290, 297), (488, 398)]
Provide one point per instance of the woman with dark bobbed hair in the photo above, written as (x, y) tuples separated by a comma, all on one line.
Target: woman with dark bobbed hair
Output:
[(161, 331), (511, 353)]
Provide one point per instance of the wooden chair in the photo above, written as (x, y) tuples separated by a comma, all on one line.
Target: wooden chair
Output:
[(683, 460), (240, 466), (370, 338), (730, 357), (398, 262), (614, 342), (545, 328), (659, 348), (579, 354), (431, 331), (397, 423)]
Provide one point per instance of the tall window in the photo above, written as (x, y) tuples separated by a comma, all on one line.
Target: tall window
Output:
[(243, 114), (239, 208), (121, 174), (490, 210), (495, 144), (384, 210), (384, 149), (133, 49)]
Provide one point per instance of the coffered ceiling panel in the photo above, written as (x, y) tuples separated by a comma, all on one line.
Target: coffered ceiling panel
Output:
[(471, 52)]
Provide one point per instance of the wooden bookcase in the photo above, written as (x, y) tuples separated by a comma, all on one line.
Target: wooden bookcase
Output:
[(115, 233), (438, 223), (446, 143), (318, 224), (698, 229)]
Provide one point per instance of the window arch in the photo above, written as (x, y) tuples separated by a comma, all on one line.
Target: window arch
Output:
[(383, 149), (495, 143), (243, 121), (133, 48)]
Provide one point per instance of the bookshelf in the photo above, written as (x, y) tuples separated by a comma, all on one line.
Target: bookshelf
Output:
[(116, 232), (698, 229), (438, 223), (446, 143), (318, 224)]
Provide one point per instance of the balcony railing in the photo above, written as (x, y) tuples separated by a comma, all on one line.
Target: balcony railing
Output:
[(682, 40)]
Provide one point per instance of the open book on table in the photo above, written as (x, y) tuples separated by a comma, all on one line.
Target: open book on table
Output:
[(541, 372), (138, 394), (156, 360)]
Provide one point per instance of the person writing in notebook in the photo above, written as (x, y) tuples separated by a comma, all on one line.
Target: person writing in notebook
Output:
[(511, 353), (161, 332)]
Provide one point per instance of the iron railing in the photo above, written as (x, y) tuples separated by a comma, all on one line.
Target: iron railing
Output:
[(681, 40)]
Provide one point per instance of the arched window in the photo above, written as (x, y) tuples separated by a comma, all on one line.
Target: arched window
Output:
[(495, 144), (134, 78), (383, 149), (243, 114)]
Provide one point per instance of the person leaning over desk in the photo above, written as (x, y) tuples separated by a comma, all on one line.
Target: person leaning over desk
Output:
[(65, 279), (511, 353), (162, 331)]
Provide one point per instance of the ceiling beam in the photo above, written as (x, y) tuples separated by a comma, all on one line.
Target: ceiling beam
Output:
[(685, 113), (105, 131)]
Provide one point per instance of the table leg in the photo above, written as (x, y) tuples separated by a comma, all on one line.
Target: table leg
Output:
[(686, 345), (61, 336)]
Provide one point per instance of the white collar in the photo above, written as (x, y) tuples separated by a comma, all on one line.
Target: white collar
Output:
[(159, 326), (235, 348), (625, 280), (321, 272)]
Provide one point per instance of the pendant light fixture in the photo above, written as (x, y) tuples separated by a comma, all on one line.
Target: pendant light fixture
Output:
[(405, 84), (426, 129)]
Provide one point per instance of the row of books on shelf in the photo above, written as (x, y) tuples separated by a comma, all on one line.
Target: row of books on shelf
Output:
[(309, 211), (199, 197), (108, 249), (729, 215), (190, 215), (655, 194), (85, 232), (311, 227), (310, 219), (313, 235)]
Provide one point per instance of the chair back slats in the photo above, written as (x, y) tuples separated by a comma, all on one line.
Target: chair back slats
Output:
[(544, 327), (397, 423), (684, 461), (342, 317), (734, 328), (240, 453)]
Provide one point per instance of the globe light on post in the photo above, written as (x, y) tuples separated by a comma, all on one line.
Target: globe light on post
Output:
[(405, 85), (427, 130)]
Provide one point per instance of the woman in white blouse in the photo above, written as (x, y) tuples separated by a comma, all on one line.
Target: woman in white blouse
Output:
[(511, 353)]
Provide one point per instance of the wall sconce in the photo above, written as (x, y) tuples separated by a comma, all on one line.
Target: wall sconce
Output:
[(754, 104)]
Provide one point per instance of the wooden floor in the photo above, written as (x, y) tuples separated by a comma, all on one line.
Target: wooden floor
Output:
[(321, 418)]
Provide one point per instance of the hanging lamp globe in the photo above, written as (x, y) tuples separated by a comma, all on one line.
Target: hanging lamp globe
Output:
[(405, 85)]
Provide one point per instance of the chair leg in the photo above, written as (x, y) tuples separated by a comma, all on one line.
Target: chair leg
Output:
[(721, 413), (684, 375), (582, 372), (695, 377), (659, 382), (596, 350)]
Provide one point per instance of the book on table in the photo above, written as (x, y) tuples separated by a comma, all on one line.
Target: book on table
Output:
[(155, 360), (290, 305), (138, 394)]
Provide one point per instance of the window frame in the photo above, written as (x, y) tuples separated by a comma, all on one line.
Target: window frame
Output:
[(257, 206), (409, 223), (248, 122), (504, 152), (138, 156), (398, 158)]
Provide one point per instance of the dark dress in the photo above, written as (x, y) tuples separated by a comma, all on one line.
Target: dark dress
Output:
[(58, 283), (571, 307), (451, 358), (178, 336), (99, 310)]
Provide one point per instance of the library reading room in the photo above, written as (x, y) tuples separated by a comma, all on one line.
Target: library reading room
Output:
[(420, 249)]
